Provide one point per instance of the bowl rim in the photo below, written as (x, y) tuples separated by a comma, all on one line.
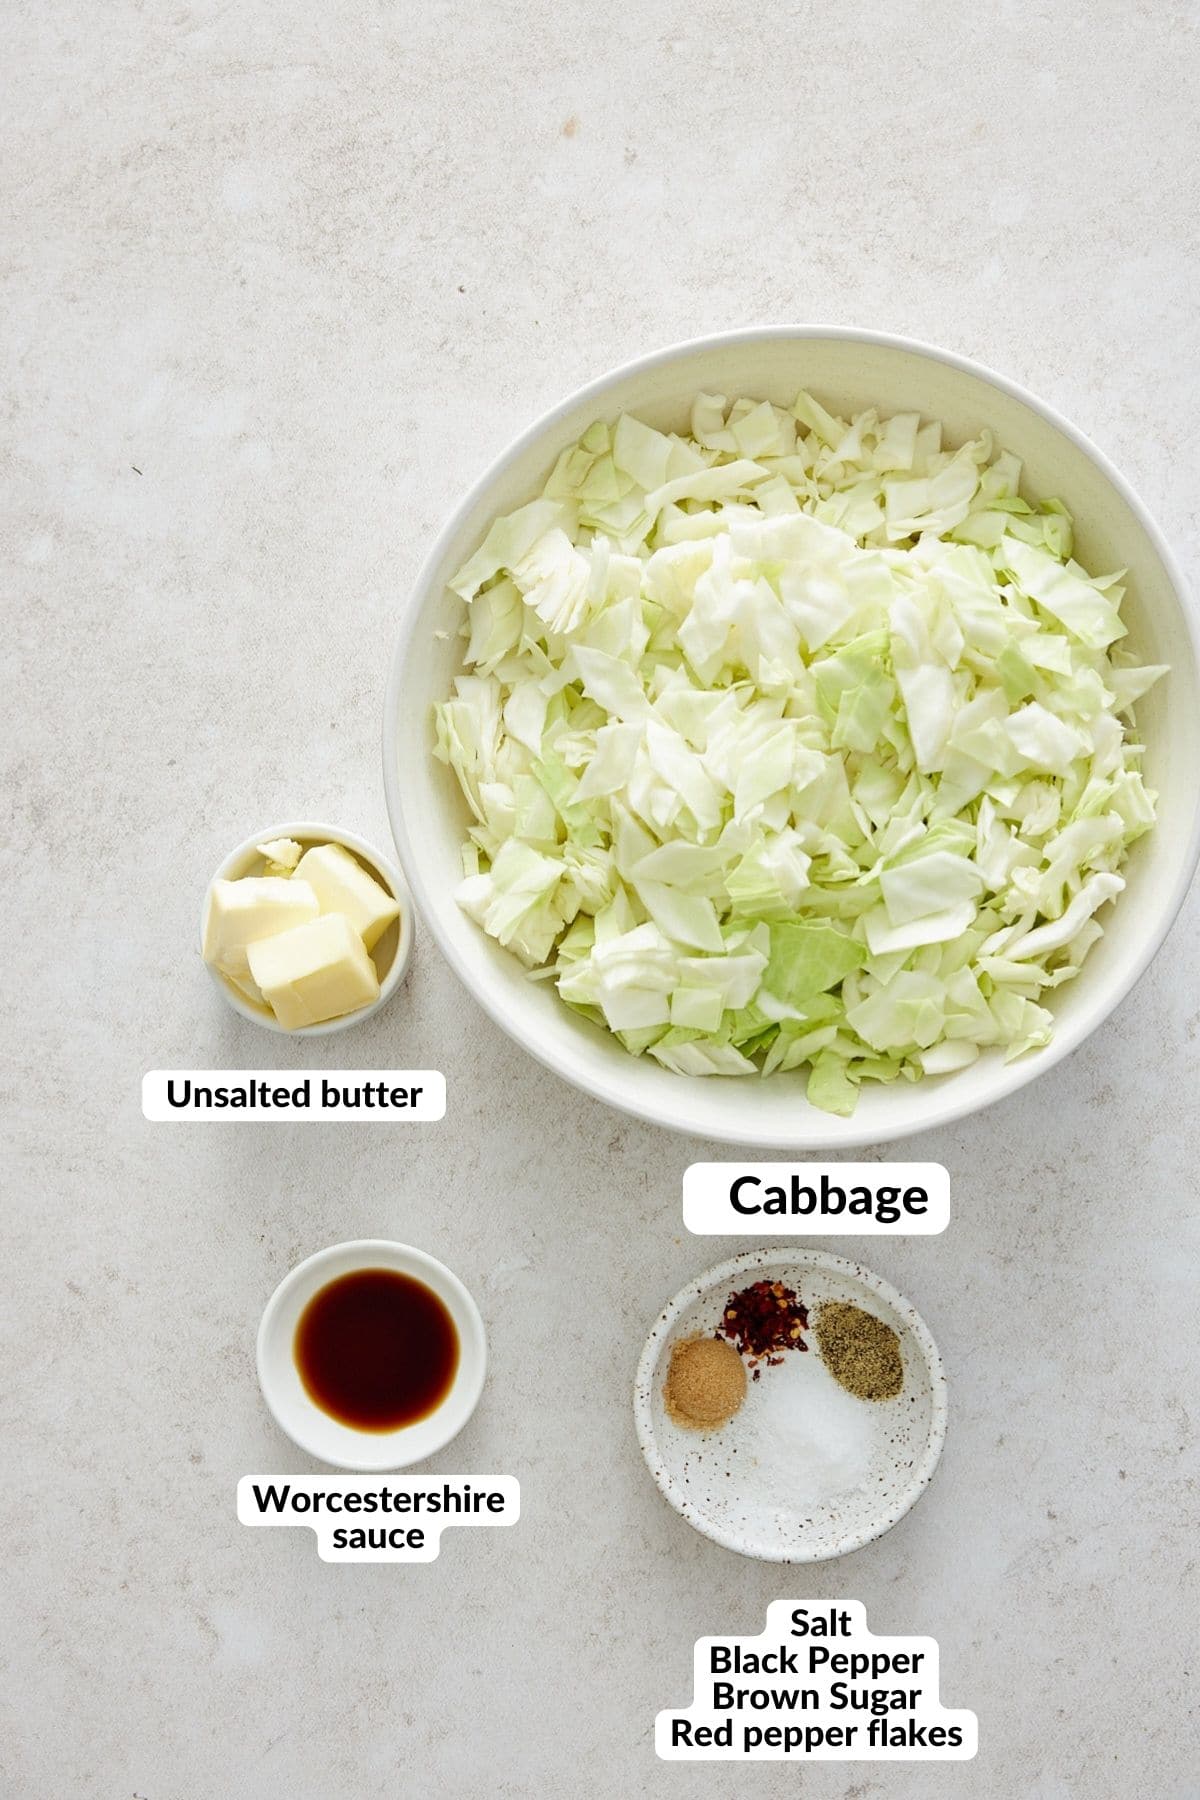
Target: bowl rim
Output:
[(469, 1377), (392, 879), (1011, 1077), (805, 1257)]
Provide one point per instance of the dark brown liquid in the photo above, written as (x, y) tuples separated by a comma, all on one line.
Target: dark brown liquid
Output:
[(376, 1349)]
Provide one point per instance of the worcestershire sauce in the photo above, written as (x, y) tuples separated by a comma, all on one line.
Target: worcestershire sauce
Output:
[(376, 1350)]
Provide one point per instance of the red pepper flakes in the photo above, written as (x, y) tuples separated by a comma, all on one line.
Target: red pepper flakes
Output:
[(764, 1320)]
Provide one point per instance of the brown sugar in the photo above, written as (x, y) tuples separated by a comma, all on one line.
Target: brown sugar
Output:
[(706, 1383)]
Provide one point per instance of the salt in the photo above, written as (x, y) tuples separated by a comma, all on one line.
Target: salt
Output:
[(806, 1439)]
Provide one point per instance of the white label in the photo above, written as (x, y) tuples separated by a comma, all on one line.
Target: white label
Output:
[(378, 1518), (393, 1096), (780, 1199), (816, 1686)]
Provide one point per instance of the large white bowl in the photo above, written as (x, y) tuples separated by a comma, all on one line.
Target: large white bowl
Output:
[(849, 370)]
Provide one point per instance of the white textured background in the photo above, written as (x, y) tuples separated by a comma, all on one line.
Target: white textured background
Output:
[(276, 282)]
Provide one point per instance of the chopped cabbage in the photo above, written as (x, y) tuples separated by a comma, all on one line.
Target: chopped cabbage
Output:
[(795, 744)]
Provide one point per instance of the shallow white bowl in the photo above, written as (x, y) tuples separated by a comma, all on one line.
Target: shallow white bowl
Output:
[(718, 1491), (317, 1431), (850, 370), (391, 954)]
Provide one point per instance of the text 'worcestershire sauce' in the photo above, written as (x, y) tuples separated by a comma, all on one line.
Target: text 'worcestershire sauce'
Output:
[(376, 1350)]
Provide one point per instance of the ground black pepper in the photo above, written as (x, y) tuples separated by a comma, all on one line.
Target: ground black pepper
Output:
[(860, 1351)]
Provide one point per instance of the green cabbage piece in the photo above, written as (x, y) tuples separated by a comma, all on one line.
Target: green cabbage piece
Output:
[(795, 745)]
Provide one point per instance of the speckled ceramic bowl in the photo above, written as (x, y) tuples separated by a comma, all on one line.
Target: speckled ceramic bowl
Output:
[(714, 1479)]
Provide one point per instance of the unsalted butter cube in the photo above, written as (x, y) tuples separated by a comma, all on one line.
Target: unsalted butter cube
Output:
[(245, 985), (241, 912), (314, 972), (280, 854), (342, 885)]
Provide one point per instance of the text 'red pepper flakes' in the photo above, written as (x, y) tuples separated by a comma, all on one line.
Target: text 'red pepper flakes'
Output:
[(764, 1320)]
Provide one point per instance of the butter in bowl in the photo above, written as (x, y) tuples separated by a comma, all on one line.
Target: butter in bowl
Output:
[(306, 929)]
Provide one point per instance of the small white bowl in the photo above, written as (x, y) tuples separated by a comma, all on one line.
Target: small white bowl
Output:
[(718, 1492), (317, 1431), (852, 370), (391, 954)]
